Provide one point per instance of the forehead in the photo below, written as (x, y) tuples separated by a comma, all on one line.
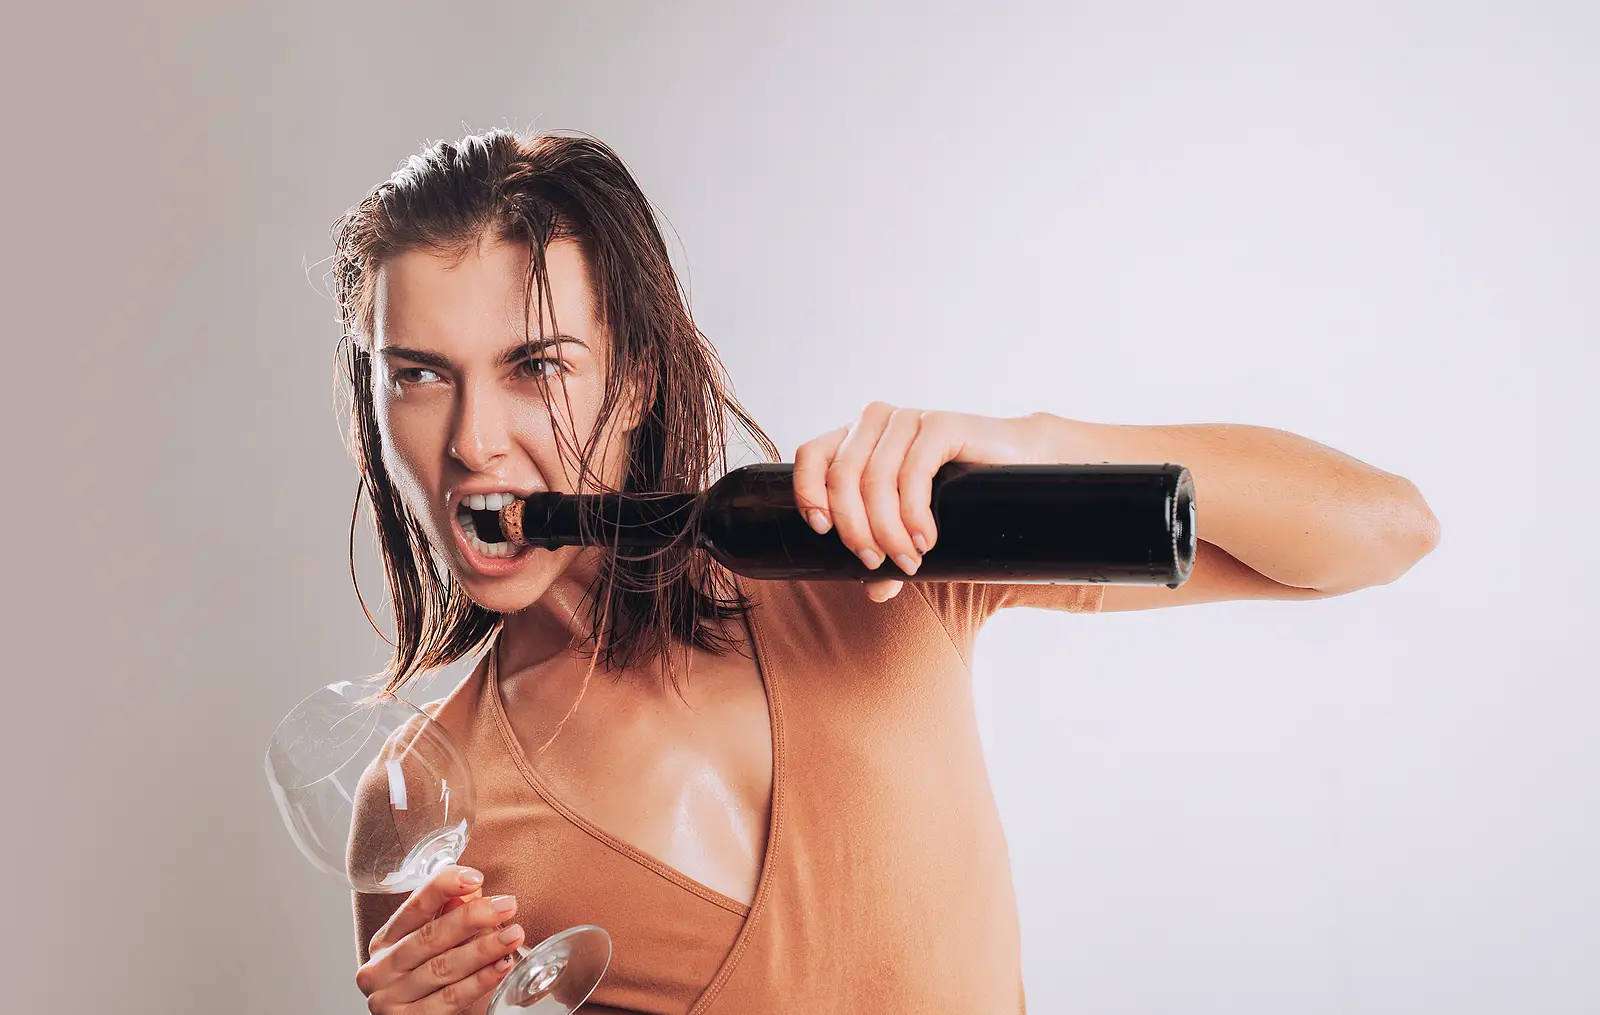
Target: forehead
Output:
[(444, 298)]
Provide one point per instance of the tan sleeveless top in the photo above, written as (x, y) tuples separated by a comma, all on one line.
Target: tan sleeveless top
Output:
[(886, 886)]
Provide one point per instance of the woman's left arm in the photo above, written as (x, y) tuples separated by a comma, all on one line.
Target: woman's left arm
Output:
[(1280, 516)]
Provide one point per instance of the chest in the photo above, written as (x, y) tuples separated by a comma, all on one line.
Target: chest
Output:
[(684, 776)]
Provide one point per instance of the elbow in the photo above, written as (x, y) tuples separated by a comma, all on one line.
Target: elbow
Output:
[(1413, 533), (1410, 531), (1427, 528), (1418, 530)]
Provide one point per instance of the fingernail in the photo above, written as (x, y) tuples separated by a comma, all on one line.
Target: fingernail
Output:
[(469, 878), (870, 557), (504, 962), (510, 934), (503, 903), (906, 563), (920, 543), (817, 520)]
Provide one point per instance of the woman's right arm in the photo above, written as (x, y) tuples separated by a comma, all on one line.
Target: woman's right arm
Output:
[(441, 952)]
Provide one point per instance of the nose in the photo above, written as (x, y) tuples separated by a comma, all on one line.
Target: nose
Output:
[(482, 429)]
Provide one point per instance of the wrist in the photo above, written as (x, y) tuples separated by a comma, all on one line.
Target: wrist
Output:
[(1056, 440)]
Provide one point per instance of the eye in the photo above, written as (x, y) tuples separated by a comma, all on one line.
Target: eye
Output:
[(412, 375), (540, 368)]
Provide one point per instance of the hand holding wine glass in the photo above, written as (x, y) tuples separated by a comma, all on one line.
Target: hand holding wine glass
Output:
[(443, 951)]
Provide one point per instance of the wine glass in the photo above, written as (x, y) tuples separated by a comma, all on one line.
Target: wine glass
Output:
[(375, 792)]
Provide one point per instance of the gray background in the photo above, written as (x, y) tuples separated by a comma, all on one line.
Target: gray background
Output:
[(1373, 224)]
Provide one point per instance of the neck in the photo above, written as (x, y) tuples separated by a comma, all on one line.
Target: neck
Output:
[(543, 678), (556, 623)]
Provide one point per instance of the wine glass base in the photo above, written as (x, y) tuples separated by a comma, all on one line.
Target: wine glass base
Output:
[(427, 858), (556, 975)]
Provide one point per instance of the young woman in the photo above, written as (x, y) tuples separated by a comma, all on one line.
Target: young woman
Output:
[(774, 797)]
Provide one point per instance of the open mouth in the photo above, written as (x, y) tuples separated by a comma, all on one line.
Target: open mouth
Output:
[(478, 517)]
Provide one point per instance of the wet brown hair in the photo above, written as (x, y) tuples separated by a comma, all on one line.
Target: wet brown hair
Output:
[(533, 190)]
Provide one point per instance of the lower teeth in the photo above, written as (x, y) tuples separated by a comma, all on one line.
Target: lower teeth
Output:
[(484, 549), (492, 549)]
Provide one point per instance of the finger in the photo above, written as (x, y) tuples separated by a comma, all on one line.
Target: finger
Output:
[(938, 441), (811, 463), (454, 997), (453, 904), (425, 903), (844, 483), (883, 591), (880, 489), (436, 937), (459, 962)]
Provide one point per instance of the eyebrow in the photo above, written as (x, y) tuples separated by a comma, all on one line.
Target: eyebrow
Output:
[(509, 355)]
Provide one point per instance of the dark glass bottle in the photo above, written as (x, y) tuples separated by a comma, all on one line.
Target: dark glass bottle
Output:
[(1125, 524)]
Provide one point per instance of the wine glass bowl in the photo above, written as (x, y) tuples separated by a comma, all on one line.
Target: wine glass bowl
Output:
[(373, 790)]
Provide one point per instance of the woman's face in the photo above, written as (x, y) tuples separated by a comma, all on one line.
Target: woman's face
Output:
[(461, 400)]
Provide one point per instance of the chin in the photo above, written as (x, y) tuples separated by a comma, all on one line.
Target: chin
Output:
[(509, 593), (511, 583)]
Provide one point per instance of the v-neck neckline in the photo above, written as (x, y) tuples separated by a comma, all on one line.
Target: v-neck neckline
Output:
[(751, 913)]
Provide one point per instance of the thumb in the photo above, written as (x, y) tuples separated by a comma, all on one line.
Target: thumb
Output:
[(883, 590)]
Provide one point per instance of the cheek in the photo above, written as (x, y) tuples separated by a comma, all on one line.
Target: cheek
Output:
[(412, 444), (557, 458), (554, 435), (536, 434)]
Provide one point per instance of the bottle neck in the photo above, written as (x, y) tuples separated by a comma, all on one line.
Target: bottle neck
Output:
[(625, 521)]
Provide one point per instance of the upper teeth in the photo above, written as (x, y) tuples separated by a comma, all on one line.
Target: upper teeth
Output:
[(488, 501)]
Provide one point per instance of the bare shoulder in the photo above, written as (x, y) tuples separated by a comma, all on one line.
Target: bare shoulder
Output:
[(1217, 576)]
